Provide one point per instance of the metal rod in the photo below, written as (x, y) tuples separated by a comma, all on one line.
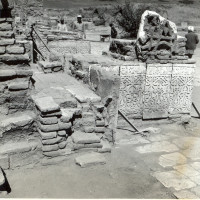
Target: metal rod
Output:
[(196, 109), (128, 121), (41, 40)]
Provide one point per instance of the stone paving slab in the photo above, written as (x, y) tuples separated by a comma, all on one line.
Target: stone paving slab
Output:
[(193, 152), (157, 138), (187, 170), (196, 165), (134, 140), (174, 179), (172, 159), (163, 146), (185, 194), (90, 159), (187, 142)]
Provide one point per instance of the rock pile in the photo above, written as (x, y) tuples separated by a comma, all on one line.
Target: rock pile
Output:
[(53, 129)]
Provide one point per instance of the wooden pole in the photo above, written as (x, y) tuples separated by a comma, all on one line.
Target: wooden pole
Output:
[(196, 109)]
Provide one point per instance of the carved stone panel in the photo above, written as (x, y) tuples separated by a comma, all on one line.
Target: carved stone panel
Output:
[(181, 88), (70, 46), (157, 90), (131, 89)]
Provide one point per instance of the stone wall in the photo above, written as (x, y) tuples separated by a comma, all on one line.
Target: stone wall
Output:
[(15, 71)]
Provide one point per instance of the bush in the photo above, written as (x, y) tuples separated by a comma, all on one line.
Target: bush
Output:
[(128, 17)]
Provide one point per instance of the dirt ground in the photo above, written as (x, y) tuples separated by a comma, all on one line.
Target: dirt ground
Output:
[(127, 174)]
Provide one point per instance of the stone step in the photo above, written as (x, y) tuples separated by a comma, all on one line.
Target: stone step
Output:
[(15, 121), (90, 159), (85, 138)]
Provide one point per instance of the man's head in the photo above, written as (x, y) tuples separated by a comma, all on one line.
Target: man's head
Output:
[(79, 19), (190, 28), (62, 21), (111, 24)]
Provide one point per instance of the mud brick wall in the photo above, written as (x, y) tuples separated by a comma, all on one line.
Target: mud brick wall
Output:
[(15, 73)]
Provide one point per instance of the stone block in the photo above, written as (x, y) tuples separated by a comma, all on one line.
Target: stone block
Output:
[(46, 64), (106, 147), (93, 145), (68, 113), (52, 141), (100, 123), (88, 121), (47, 148), (99, 129), (15, 58), (57, 69), (6, 34), (18, 85), (62, 144), (99, 107), (2, 49), (48, 120), (22, 73), (4, 162), (62, 133), (87, 114), (90, 159), (64, 126), (47, 135), (4, 42), (7, 73), (46, 104), (14, 49), (85, 138), (48, 128), (48, 70), (89, 129), (60, 152), (5, 27)]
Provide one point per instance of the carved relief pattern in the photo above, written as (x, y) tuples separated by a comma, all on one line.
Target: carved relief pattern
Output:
[(157, 89), (181, 88), (73, 47), (131, 89)]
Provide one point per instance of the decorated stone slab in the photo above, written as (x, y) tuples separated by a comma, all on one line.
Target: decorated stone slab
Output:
[(131, 89), (157, 90), (181, 88)]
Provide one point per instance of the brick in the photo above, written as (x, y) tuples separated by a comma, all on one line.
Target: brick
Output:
[(47, 135), (15, 58), (48, 128), (88, 121), (53, 140), (100, 123), (88, 129), (62, 145), (47, 148), (48, 120), (64, 126), (5, 27), (14, 49), (7, 73), (2, 49), (62, 133), (100, 129), (4, 42), (46, 104), (6, 34), (4, 162), (85, 138), (18, 85)]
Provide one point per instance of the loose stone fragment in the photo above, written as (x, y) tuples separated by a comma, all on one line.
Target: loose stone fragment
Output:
[(90, 159)]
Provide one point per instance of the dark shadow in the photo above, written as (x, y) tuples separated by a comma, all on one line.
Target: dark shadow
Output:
[(6, 186)]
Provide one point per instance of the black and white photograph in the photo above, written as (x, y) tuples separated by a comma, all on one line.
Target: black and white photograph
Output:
[(100, 99)]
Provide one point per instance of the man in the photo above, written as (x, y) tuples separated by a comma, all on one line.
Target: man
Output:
[(113, 31), (192, 41), (79, 26), (62, 26)]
